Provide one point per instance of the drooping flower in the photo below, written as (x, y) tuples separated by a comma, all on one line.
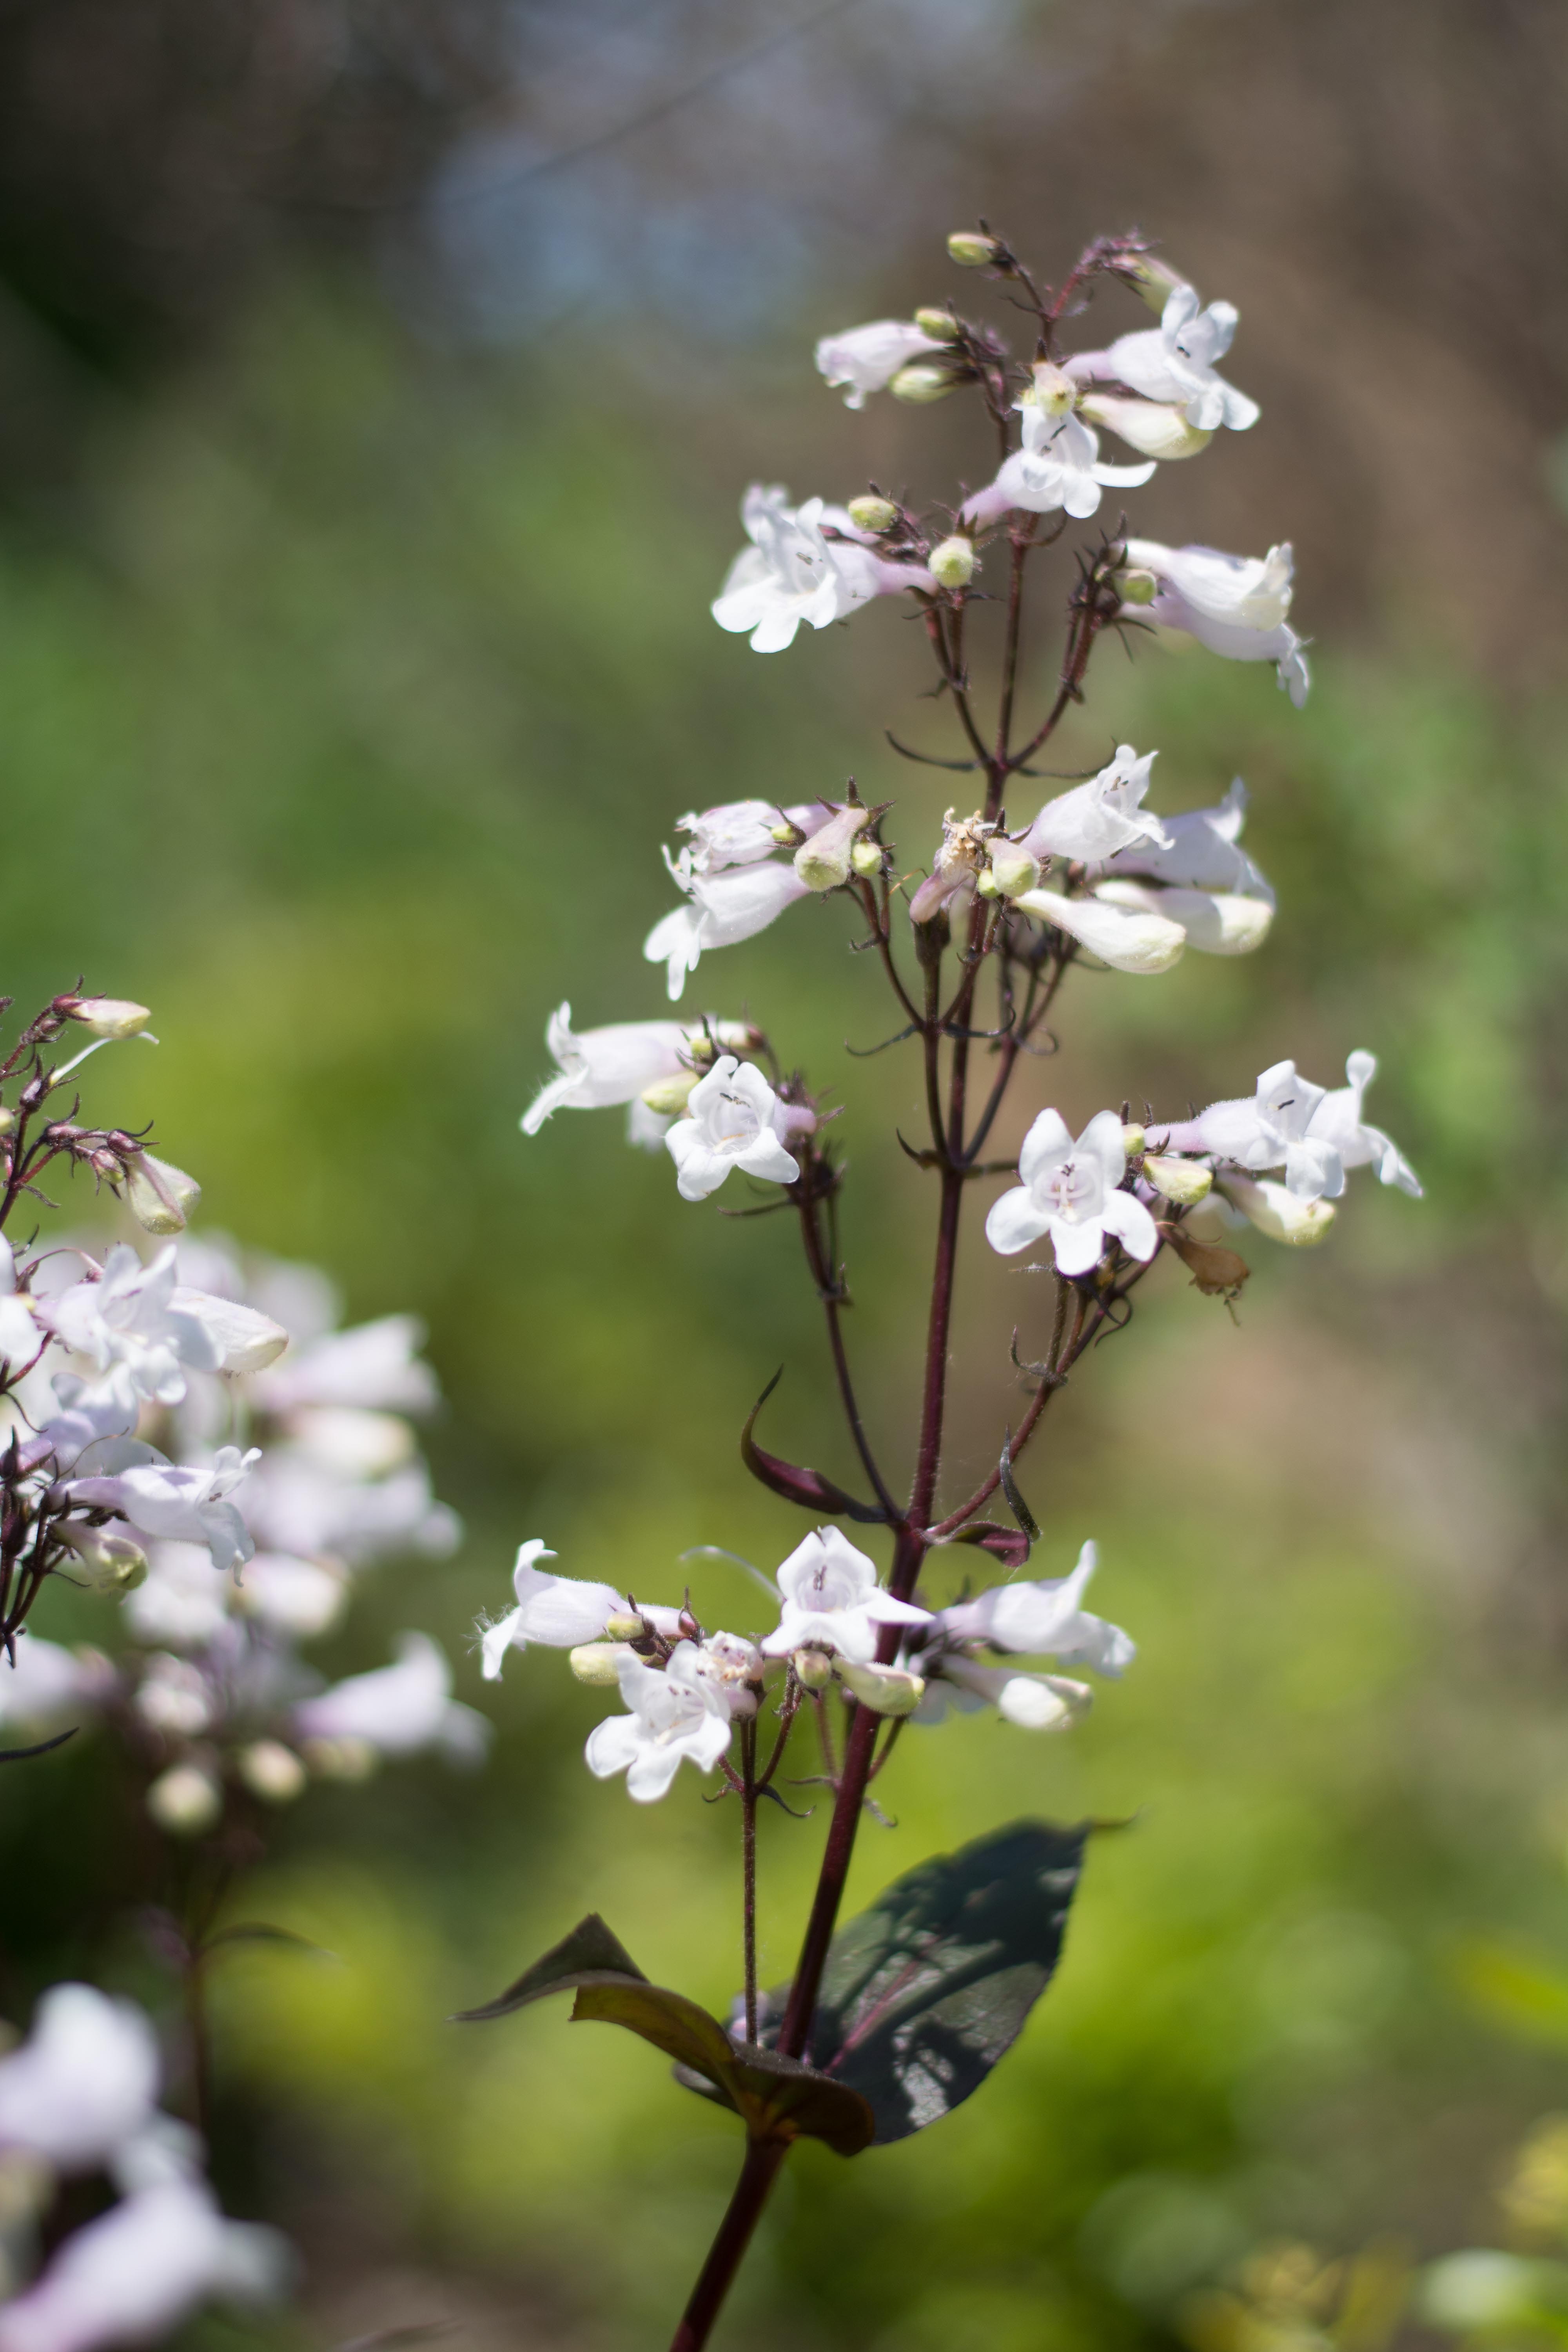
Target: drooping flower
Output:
[(793, 572), (734, 1120), (602, 1068), (677, 1711), (1235, 604), (185, 1505), (85, 2082), (1127, 938), (131, 2276), (1095, 819), (558, 1612), (1176, 362), (1044, 1619), (1339, 1121), (867, 359), (721, 910), (1220, 923), (399, 1710), (1201, 851), (832, 1598), (1070, 1192)]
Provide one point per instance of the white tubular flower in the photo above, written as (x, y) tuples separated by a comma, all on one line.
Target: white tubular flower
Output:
[(560, 1612), (734, 1122), (1218, 923), (242, 1338), (1033, 1702), (792, 572), (109, 1016), (1235, 604), (373, 1366), (1175, 362), (1059, 466), (1202, 852), (1070, 1192), (186, 1505), (127, 1324), (1043, 1620), (832, 1598), (1278, 1128), (133, 2276), (1120, 936), (20, 1337), (1095, 819), (736, 833), (400, 1709), (49, 1683), (1278, 1212), (721, 910), (823, 861), (867, 359), (679, 1712), (1154, 428), (605, 1067), (1338, 1120), (83, 2083)]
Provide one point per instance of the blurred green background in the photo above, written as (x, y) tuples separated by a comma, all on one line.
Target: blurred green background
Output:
[(378, 384)]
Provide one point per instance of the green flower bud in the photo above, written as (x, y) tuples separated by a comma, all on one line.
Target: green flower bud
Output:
[(108, 1016), (921, 381), (866, 857), (594, 1663), (1132, 1141), (952, 564), (271, 1771), (184, 1800), (1013, 869), (1181, 1180), (823, 861), (668, 1096), (868, 513), (113, 1563), (813, 1669), (1138, 587), (940, 325), (886, 1690), (972, 249), (625, 1627)]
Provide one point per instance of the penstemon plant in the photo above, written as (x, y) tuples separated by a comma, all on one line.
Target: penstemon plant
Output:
[(890, 2021)]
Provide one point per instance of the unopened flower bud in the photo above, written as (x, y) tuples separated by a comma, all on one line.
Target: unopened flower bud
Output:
[(159, 1196), (1055, 390), (822, 862), (596, 1663), (1181, 1180), (921, 381), (184, 1800), (1278, 1212), (1133, 1139), (940, 325), (344, 1758), (813, 1669), (105, 1016), (113, 1562), (1153, 427), (886, 1690), (867, 858), (972, 249), (625, 1627), (668, 1096), (271, 1771), (1013, 869), (1138, 587), (1155, 280), (871, 514), (951, 565), (787, 836)]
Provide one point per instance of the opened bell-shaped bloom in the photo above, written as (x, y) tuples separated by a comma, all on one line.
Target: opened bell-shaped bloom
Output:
[(1095, 819), (1201, 851), (134, 2275), (721, 911), (1070, 1192), (182, 1505), (734, 1120), (867, 359), (558, 1612), (1338, 1120), (84, 2083), (603, 1068), (832, 1600), (676, 1711), (398, 1710), (1176, 362), (1278, 1127), (125, 1321), (1127, 938), (1234, 605), (1060, 466), (1044, 1619), (794, 572), (1220, 923)]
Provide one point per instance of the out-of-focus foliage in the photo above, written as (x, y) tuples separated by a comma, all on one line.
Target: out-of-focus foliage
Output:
[(365, 715)]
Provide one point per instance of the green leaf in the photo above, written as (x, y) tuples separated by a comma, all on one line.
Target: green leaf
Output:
[(774, 2097), (588, 1953), (926, 1991), (258, 1931)]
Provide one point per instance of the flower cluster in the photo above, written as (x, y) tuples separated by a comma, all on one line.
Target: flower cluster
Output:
[(80, 2097)]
